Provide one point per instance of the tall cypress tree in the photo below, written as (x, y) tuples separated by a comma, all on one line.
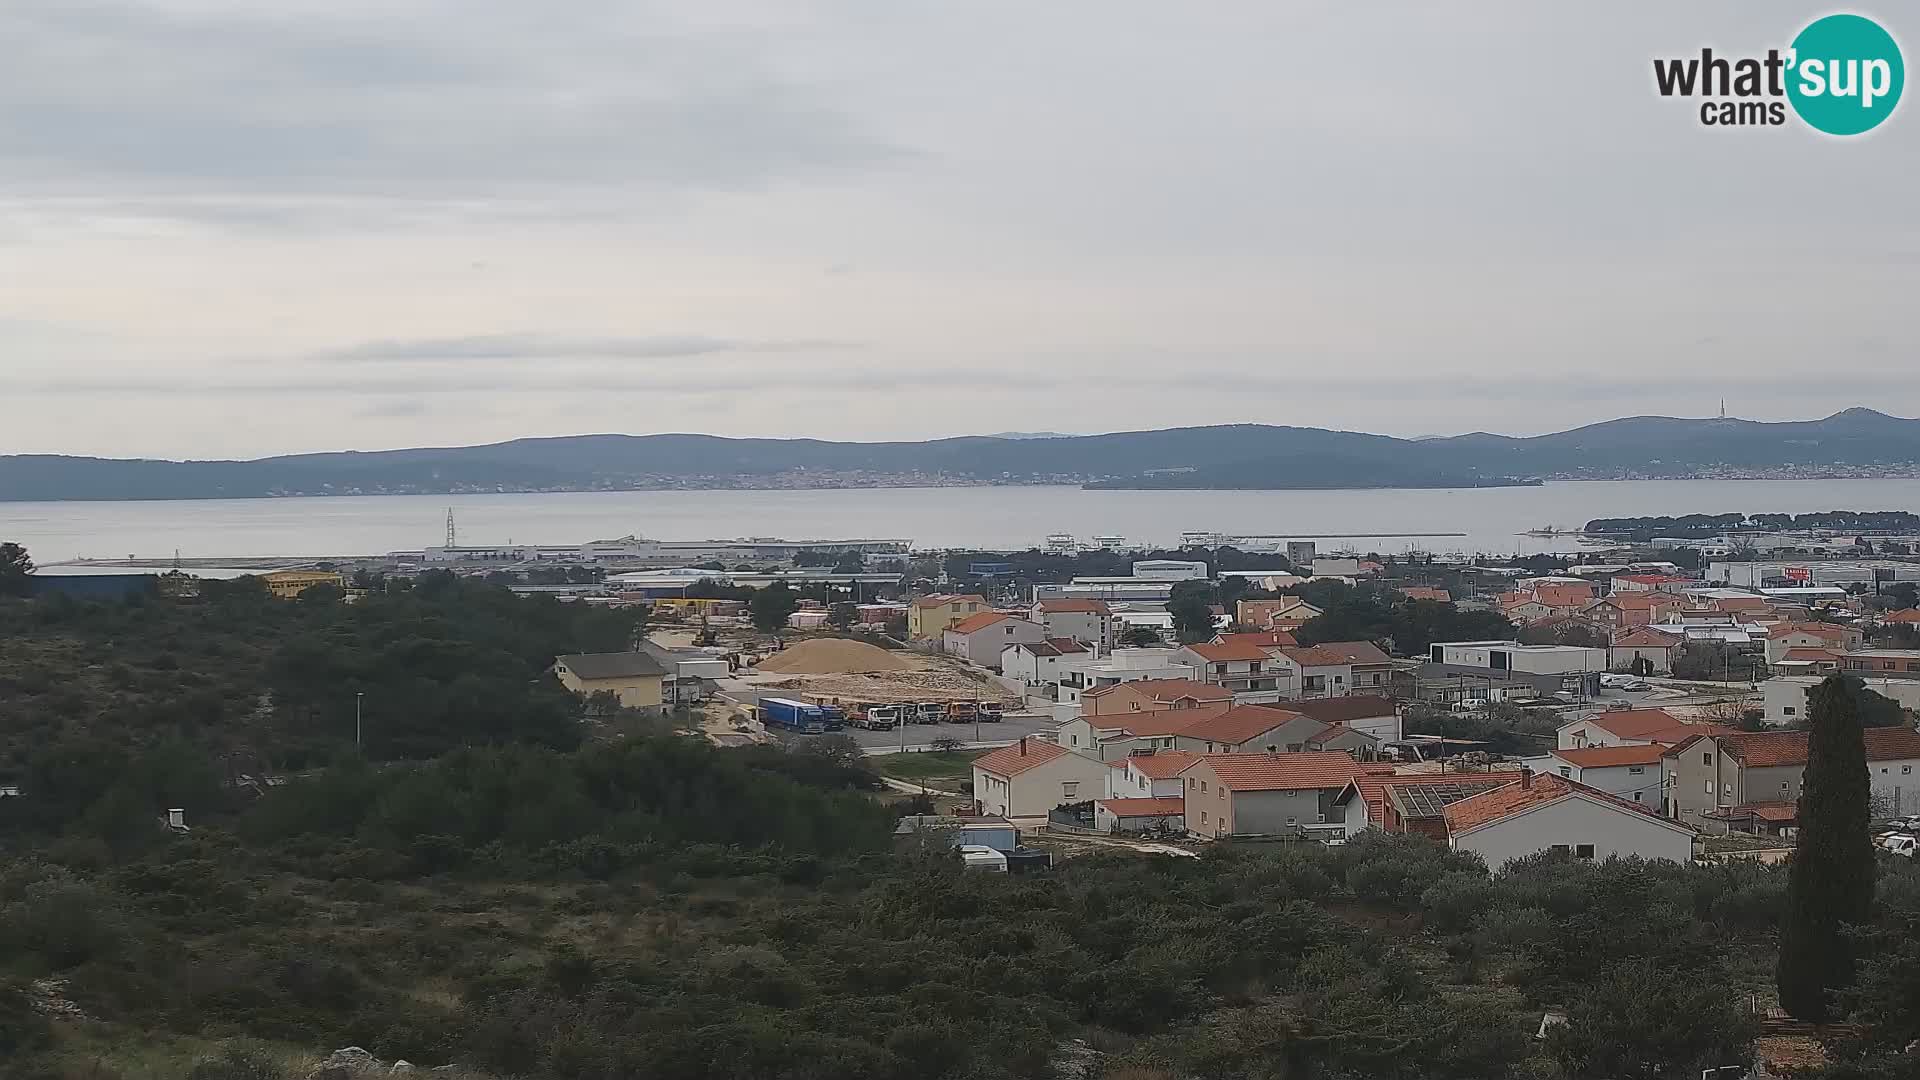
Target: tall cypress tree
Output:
[(1830, 883)]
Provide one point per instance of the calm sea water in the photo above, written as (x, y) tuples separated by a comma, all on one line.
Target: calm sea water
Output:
[(1492, 519)]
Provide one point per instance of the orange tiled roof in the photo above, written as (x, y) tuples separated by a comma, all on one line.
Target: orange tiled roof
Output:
[(1820, 630), (1228, 650), (1563, 595), (1905, 615), (1168, 690), (1766, 749), (1425, 592), (1373, 788), (1158, 722), (1524, 794), (1161, 764), (1282, 772), (1356, 652), (1601, 757), (1807, 652), (1238, 725), (1634, 723), (1158, 807), (1020, 757), (975, 623), (1316, 656), (1061, 607), (1264, 639)]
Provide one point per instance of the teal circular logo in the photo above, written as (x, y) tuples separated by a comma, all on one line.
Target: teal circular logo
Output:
[(1846, 74)]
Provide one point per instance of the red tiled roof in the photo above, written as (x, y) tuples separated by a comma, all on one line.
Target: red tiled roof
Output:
[(1357, 652), (1770, 811), (1524, 794), (1226, 651), (1601, 757), (974, 623), (1062, 607), (1167, 690), (1807, 652), (1904, 615), (1563, 595), (1011, 761), (1344, 710), (1317, 656), (1160, 807), (1766, 749), (1426, 592), (1647, 638), (1239, 724), (1281, 772), (1153, 723), (1650, 725), (1161, 764), (1373, 788), (1741, 603)]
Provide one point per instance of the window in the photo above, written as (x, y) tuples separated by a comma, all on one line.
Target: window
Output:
[(1636, 770), (1783, 785), (1566, 771), (1290, 821), (1069, 788), (1222, 793), (1560, 849), (1706, 759), (1584, 851), (1636, 796), (1203, 817), (1709, 786), (1789, 710), (1203, 785), (1073, 740), (1906, 770)]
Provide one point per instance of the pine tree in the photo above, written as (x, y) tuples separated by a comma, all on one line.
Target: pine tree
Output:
[(1830, 884)]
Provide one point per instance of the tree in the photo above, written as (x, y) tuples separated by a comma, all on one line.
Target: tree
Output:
[(1191, 606), (15, 568), (1830, 883), (1142, 637), (771, 607), (840, 616)]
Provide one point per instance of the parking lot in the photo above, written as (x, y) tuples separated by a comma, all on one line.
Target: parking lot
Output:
[(920, 736)]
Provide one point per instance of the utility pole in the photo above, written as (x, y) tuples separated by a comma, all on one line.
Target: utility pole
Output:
[(359, 697)]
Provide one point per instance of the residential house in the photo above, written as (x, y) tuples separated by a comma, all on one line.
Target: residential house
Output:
[(1079, 675), (1262, 614), (1424, 592), (1148, 775), (1631, 772), (1139, 717), (1784, 698), (634, 677), (1265, 639), (1037, 663), (1413, 803), (980, 639), (1630, 609), (1552, 813), (1644, 643), (1162, 815), (1374, 714), (289, 584), (1263, 794), (1254, 729), (1368, 667), (1153, 695), (1521, 608), (1032, 777), (1563, 598), (1830, 636), (929, 616), (1241, 667), (1630, 727), (1903, 617), (1807, 661), (1324, 671), (1089, 622), (1881, 663), (1714, 777), (1650, 583)]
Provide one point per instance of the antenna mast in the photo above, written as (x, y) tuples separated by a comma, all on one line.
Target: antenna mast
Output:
[(452, 537)]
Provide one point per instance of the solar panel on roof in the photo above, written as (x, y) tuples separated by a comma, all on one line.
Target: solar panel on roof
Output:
[(1429, 800)]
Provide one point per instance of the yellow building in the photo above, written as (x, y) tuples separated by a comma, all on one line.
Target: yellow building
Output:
[(634, 676), (929, 616), (289, 584)]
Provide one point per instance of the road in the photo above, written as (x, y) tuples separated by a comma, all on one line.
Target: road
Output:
[(923, 736)]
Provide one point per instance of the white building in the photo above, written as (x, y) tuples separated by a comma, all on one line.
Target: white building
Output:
[(1080, 674), (1784, 697), (1552, 813), (981, 639), (1632, 773), (1169, 570), (1513, 656), (1037, 663), (1089, 622)]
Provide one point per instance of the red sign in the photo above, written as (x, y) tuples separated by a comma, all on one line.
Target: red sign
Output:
[(1798, 573)]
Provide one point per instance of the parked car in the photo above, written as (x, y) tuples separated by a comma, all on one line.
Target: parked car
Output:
[(1903, 845)]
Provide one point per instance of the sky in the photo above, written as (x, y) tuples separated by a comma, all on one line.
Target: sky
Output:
[(232, 229)]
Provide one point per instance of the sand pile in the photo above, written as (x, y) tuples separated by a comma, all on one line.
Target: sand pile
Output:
[(831, 656)]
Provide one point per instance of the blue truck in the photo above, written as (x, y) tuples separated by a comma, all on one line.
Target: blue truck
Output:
[(801, 716)]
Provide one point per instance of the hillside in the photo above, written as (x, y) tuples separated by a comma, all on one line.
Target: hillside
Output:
[(1227, 456)]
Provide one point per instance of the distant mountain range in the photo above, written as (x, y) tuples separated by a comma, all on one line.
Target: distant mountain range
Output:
[(1237, 456)]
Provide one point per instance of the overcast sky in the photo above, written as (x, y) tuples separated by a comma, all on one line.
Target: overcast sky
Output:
[(232, 228)]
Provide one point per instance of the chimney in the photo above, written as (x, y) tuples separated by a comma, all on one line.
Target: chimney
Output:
[(1023, 746), (1526, 778)]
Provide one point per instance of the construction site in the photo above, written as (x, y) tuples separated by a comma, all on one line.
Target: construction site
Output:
[(842, 671)]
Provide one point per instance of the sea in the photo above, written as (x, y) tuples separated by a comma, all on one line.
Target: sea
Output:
[(1479, 520)]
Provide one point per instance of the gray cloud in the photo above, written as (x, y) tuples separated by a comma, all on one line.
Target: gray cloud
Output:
[(532, 346)]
